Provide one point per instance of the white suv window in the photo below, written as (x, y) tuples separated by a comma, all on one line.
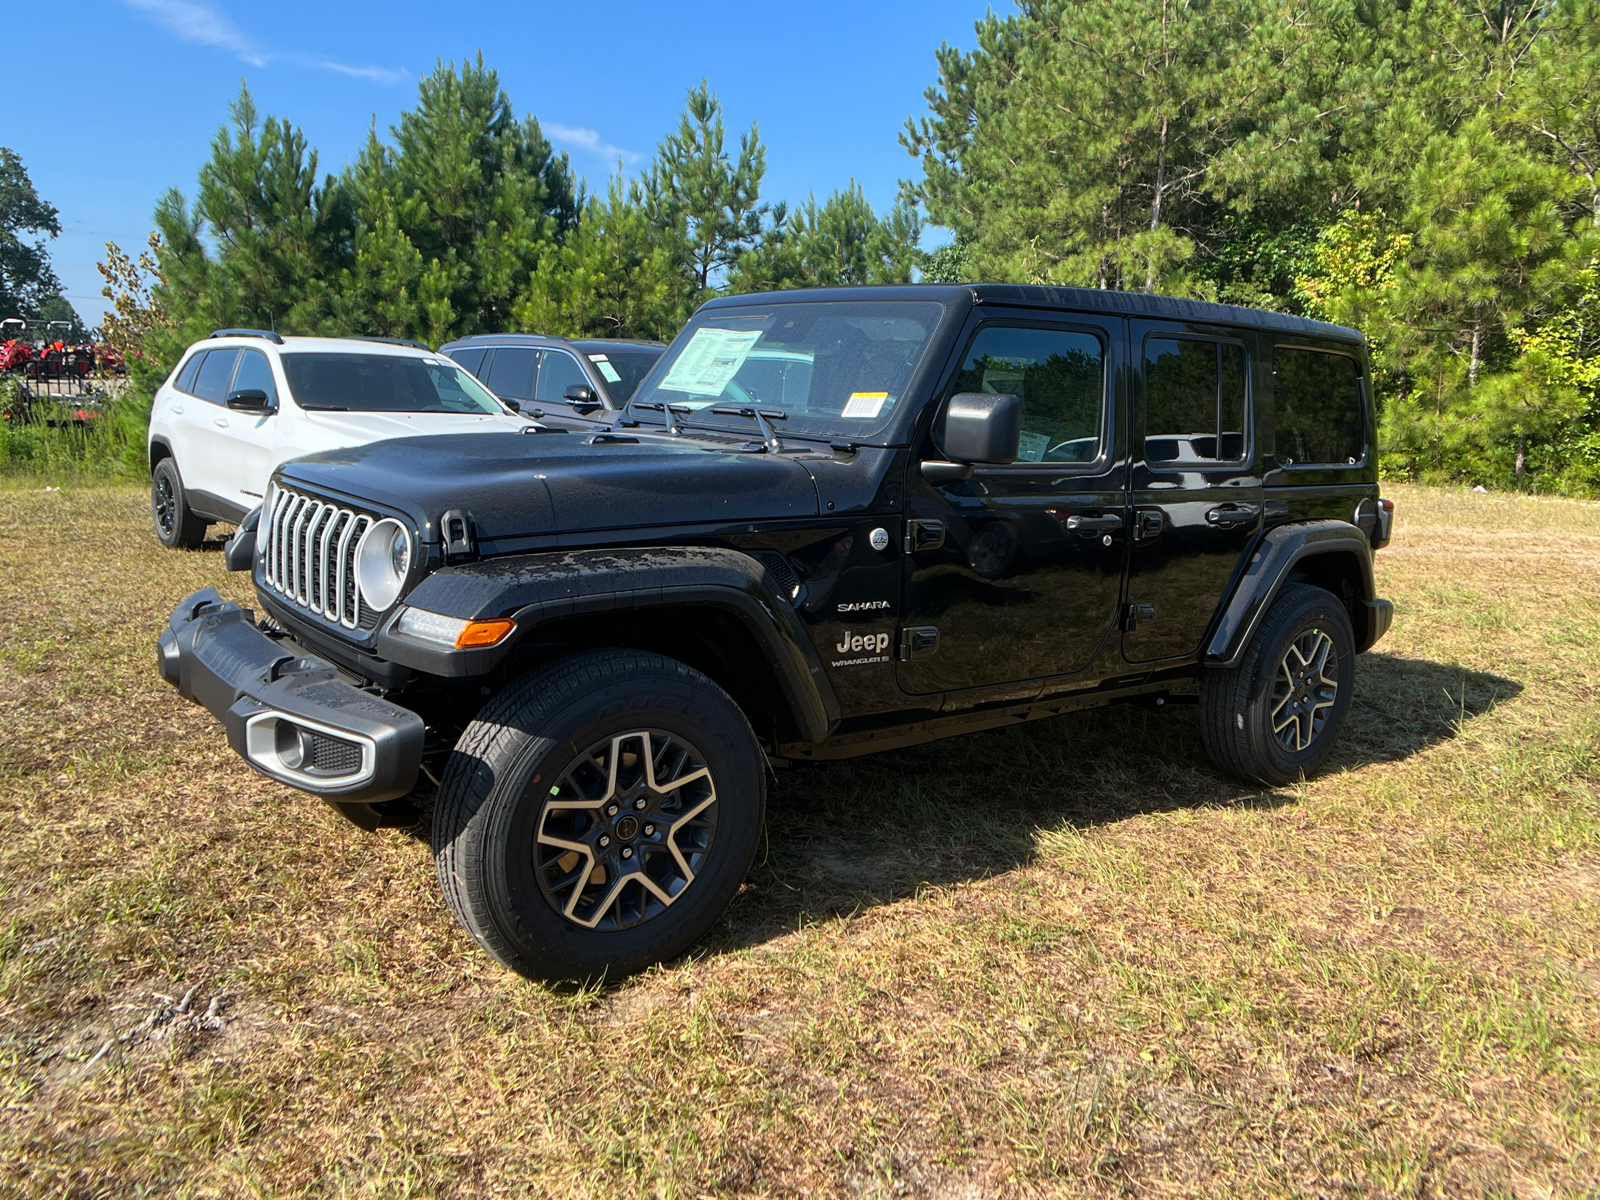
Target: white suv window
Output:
[(215, 374), (254, 372)]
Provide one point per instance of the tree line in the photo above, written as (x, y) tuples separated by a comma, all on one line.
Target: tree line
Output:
[(465, 220), (1425, 170)]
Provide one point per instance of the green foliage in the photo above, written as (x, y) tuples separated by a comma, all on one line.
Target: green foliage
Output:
[(28, 285), (466, 221), (42, 441), (1429, 173)]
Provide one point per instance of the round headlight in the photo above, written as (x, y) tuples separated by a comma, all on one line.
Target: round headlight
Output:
[(382, 562)]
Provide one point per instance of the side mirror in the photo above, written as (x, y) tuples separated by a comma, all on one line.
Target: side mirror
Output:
[(582, 398), (250, 400), (979, 428)]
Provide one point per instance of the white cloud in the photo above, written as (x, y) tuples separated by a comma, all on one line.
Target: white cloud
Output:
[(198, 22), (201, 24), (587, 139)]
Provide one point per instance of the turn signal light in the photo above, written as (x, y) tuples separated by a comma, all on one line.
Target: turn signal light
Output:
[(484, 633)]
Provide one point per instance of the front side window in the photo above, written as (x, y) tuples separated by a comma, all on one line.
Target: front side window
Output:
[(557, 373), (831, 368), (1318, 413), (384, 383), (1060, 376), (1194, 400), (215, 375), (255, 372)]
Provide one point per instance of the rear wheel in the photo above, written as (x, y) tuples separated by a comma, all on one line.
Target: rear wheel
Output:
[(599, 815), (176, 526), (1273, 718)]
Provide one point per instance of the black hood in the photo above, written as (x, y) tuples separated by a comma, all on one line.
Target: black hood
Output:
[(532, 485)]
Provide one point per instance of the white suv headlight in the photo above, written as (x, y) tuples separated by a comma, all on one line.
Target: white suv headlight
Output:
[(383, 560)]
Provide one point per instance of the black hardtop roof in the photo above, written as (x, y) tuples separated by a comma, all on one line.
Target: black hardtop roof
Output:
[(1133, 304), (640, 343)]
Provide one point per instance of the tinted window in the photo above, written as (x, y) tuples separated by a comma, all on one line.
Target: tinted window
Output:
[(215, 373), (190, 370), (1061, 379), (557, 373), (384, 383), (255, 372), (1194, 397), (623, 369), (511, 373), (470, 359), (1317, 403)]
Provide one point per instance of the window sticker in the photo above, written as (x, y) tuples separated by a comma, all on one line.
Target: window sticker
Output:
[(710, 361), (1031, 447), (607, 369), (863, 406)]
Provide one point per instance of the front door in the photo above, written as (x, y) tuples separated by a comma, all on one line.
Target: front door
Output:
[(1015, 575), (1196, 489)]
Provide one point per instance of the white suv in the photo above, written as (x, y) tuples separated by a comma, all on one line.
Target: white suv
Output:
[(244, 400)]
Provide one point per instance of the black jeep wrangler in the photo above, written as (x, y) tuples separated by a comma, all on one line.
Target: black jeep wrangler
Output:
[(827, 523)]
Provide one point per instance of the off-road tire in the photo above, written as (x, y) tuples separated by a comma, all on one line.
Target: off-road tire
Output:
[(1236, 704), (493, 794), (177, 527)]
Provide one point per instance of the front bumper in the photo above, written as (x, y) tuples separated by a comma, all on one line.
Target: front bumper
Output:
[(290, 716)]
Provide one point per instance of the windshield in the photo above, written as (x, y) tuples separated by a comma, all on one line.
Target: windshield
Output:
[(385, 383), (622, 369), (831, 367)]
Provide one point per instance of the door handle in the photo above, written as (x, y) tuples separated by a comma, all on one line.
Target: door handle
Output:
[(177, 410), (1103, 524), (1226, 516), (220, 423)]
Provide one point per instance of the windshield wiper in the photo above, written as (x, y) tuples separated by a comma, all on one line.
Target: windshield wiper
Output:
[(666, 410), (325, 407), (762, 417)]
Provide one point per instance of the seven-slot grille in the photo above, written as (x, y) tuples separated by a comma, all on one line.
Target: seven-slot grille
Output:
[(310, 557)]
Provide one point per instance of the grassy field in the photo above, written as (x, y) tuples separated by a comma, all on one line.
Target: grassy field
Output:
[(1071, 959)]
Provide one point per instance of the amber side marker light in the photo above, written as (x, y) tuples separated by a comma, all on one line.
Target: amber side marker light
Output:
[(484, 633)]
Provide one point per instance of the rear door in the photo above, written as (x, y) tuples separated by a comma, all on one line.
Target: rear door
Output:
[(209, 464), (1196, 482), (1014, 576)]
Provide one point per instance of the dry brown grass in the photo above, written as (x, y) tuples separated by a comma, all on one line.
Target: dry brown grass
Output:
[(1072, 959)]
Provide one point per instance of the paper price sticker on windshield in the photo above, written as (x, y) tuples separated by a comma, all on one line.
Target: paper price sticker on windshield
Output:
[(710, 361), (863, 406)]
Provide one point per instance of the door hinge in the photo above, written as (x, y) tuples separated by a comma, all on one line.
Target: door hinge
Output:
[(923, 535), (918, 639), (1149, 523), (1135, 615)]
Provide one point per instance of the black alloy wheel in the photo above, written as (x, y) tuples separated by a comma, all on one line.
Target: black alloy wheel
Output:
[(1273, 719), (598, 815), (177, 527)]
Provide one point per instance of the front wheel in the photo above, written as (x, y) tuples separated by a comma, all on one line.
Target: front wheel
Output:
[(599, 815), (176, 524), (1273, 718)]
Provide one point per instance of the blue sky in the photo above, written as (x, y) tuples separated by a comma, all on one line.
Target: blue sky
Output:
[(121, 103)]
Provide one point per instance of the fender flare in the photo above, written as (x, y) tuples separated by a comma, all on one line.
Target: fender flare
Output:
[(1268, 569), (535, 589)]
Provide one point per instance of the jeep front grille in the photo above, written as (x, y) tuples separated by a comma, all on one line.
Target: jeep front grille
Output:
[(309, 557)]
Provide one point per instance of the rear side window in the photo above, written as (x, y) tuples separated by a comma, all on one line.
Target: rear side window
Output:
[(1317, 403), (1060, 375), (215, 374), (186, 377), (511, 373), (255, 372), (470, 359), (1194, 400)]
